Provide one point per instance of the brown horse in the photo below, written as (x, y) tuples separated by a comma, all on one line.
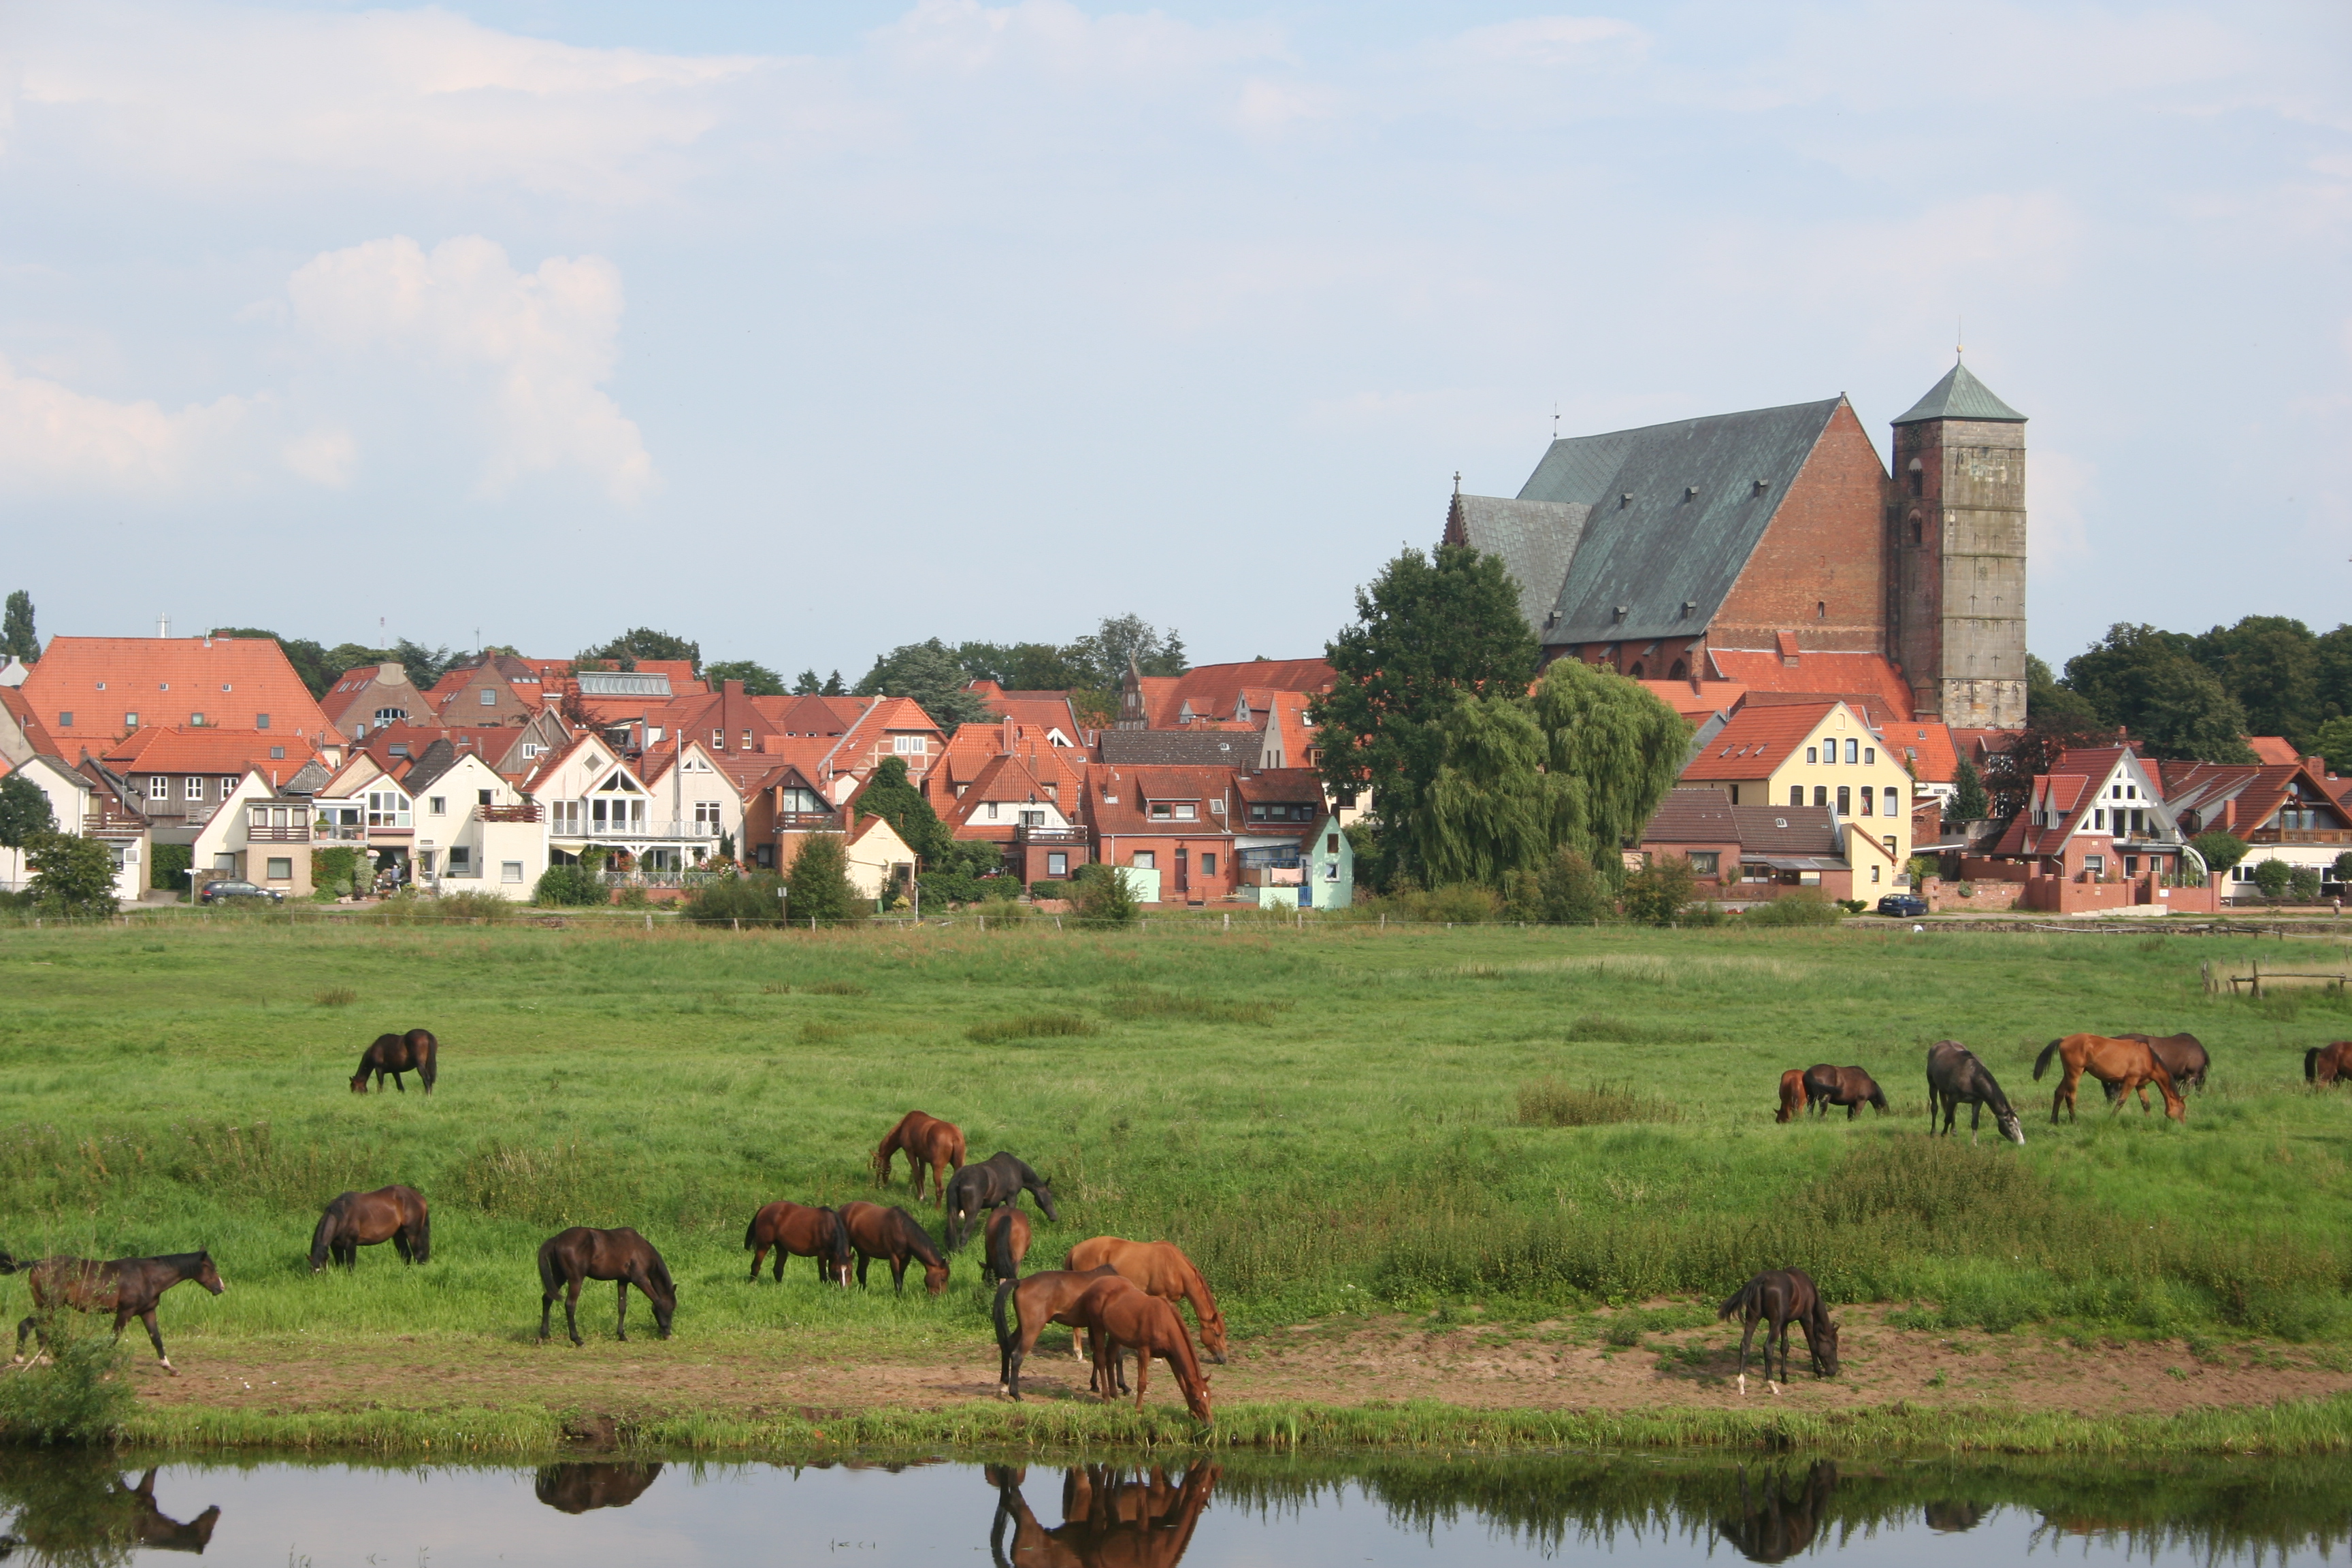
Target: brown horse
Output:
[(2183, 1057), (354, 1220), (1793, 1095), (416, 1051), (2129, 1066), (581, 1486), (2324, 1064), (1776, 1298), (1781, 1525), (1826, 1086), (1118, 1315), (796, 1230), (894, 1236), (1161, 1269), (926, 1140), (128, 1286), (1041, 1299), (1004, 1243), (1107, 1518), (570, 1258)]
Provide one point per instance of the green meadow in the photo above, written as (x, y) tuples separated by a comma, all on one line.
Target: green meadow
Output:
[(1330, 1121)]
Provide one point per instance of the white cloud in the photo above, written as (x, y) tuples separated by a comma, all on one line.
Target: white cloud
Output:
[(965, 38), (532, 349), (1550, 42), (322, 456), (53, 438)]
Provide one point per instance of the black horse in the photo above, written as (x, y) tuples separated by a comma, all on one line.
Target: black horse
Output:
[(2183, 1055), (997, 1180), (128, 1286), (1955, 1077), (570, 1258), (416, 1051), (1827, 1086), (1778, 1297), (579, 1487)]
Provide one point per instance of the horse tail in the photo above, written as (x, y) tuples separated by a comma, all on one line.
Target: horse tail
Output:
[(2042, 1062), (2311, 1064), (550, 1278), (323, 1238), (421, 1243), (1742, 1300), (8, 1263), (1003, 1334)]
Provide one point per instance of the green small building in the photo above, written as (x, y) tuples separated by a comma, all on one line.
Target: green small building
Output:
[(1326, 865)]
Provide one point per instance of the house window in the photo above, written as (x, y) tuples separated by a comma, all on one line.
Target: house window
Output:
[(2096, 865), (228, 788), (706, 815), (490, 696), (1869, 755), (461, 859), (1735, 795), (1330, 844), (438, 806), (261, 720), (1869, 797), (908, 746), (1796, 794), (1852, 751), (1846, 801), (131, 721), (1887, 844), (277, 754), (1891, 799), (399, 748), (1755, 872), (1145, 860), (1822, 610), (529, 748), (1057, 864), (510, 871), (158, 787), (390, 715), (990, 809), (1821, 795), (193, 788), (281, 868), (1208, 865), (387, 808), (1162, 810), (767, 856), (747, 740), (1813, 754), (1706, 861), (1873, 873), (195, 721), (2098, 821), (1033, 819), (482, 798), (66, 719)]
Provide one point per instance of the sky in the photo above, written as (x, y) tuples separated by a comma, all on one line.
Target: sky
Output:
[(806, 330)]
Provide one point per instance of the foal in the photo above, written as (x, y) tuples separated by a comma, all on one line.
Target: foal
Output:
[(1779, 1297), (800, 1231), (128, 1286)]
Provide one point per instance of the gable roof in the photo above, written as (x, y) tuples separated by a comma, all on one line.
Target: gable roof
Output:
[(2276, 749), (174, 748), (1213, 689), (1756, 740), (1536, 538), (1871, 677), (1192, 747), (1706, 816), (1960, 395), (99, 679)]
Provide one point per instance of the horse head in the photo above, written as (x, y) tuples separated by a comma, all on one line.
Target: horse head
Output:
[(935, 1277), (1826, 1347), (1043, 1192), (665, 1300), (206, 1274), (2010, 1127)]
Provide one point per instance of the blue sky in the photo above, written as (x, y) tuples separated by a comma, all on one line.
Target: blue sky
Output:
[(806, 330)]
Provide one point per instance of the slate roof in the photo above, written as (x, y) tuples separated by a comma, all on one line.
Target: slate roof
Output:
[(1960, 395), (1179, 747), (1706, 816), (1536, 538)]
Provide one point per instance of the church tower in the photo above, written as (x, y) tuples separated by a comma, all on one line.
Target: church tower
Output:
[(1956, 618)]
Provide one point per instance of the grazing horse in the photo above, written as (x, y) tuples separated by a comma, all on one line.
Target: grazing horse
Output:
[(1107, 1518), (1776, 1298), (571, 1257), (1826, 1086), (998, 1179), (1783, 1525), (2183, 1057), (895, 1236), (797, 1230), (2324, 1065), (1955, 1077), (2129, 1066), (1041, 1299), (926, 1140), (1161, 1269), (1118, 1315), (1793, 1095), (416, 1051), (354, 1220), (597, 1483), (1004, 1243), (128, 1286)]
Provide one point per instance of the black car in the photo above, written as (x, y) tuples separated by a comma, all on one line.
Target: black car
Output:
[(220, 892), (1902, 904)]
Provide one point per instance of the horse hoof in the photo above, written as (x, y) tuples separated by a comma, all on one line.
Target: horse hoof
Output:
[(1773, 1386), (1743, 1385)]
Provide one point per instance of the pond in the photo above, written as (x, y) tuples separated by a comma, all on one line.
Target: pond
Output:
[(1302, 1513)]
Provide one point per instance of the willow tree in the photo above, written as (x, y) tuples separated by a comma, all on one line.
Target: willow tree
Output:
[(1488, 811), (1612, 752)]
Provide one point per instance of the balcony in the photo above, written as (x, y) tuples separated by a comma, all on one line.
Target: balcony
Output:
[(337, 832), (528, 811), (296, 833), (808, 822), (1026, 834), (2300, 836), (639, 831)]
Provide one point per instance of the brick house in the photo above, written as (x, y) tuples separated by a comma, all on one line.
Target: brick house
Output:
[(1744, 854), (1023, 803), (1816, 754), (1169, 825), (491, 688), (2286, 811), (374, 695)]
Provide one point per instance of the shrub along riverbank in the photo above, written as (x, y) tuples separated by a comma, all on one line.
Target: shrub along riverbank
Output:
[(1326, 1120)]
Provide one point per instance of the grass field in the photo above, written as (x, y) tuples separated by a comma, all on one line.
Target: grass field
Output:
[(1329, 1122)]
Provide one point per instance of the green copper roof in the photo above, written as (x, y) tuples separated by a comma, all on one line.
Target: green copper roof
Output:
[(1960, 395)]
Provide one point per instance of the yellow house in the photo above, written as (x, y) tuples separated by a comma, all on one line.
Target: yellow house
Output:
[(1818, 753)]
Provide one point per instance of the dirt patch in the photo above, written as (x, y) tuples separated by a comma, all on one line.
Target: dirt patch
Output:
[(1542, 1365)]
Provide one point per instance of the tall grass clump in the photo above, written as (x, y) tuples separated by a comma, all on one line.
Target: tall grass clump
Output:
[(1605, 1026), (336, 996), (1805, 906), (736, 901), (82, 1396), (1031, 1026), (1549, 1102)]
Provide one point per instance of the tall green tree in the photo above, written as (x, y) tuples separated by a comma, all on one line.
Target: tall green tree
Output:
[(929, 673), (806, 684), (2332, 657), (16, 634), (1428, 629), (833, 686), (1614, 749), (639, 643), (2053, 704), (818, 882), (2332, 743), (23, 811), (2150, 682), (1489, 808), (1970, 803), (71, 875), (889, 795), (758, 679), (1117, 641), (2270, 664)]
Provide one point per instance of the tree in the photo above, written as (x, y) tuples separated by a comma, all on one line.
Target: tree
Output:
[(640, 643), (2054, 705), (16, 634), (818, 882), (1574, 891), (2272, 878), (806, 684), (2220, 850), (2009, 777), (1102, 897), (833, 686), (2343, 867), (1118, 641), (2332, 655), (889, 795), (71, 875), (1488, 811), (927, 672), (736, 901), (2148, 682), (2332, 743), (1024, 666), (1613, 749), (561, 885), (758, 679), (24, 812), (1661, 889), (2270, 664), (1428, 629), (2303, 883), (1968, 801)]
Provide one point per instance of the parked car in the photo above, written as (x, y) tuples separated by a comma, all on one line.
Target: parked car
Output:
[(221, 892), (1906, 904)]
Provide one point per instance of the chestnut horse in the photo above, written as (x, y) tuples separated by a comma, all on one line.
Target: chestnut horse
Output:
[(893, 1235), (1776, 1298), (415, 1051), (2130, 1066), (1161, 1269), (1146, 1521), (1826, 1086), (1041, 1299), (2183, 1057), (2324, 1065), (796, 1230), (354, 1220), (926, 1140), (1793, 1095), (1120, 1316), (1004, 1243), (128, 1286), (571, 1257)]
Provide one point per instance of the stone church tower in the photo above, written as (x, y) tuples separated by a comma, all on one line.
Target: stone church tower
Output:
[(1956, 522)]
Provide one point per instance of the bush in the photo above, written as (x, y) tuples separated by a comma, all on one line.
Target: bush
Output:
[(2344, 866), (561, 887), (1854, 906), (82, 1396), (818, 882), (1103, 897), (167, 867), (737, 900), (2273, 877), (71, 875), (1050, 888), (1923, 866), (468, 905), (2302, 887), (1805, 906), (1706, 915), (2220, 850), (1659, 890), (1549, 1102), (335, 870), (1460, 903)]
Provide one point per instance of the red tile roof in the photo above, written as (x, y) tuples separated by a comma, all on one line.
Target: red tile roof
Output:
[(164, 680), (172, 748), (1756, 741), (1117, 800), (2275, 749), (1817, 674), (37, 734), (1926, 745)]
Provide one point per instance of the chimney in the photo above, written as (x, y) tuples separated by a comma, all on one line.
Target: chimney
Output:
[(163, 625)]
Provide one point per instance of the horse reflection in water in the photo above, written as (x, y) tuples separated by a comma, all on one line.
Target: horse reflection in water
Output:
[(93, 1516), (1776, 1524), (578, 1487), (1108, 1517), (1949, 1518)]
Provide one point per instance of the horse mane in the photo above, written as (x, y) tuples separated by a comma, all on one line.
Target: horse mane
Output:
[(919, 1238), (323, 1237)]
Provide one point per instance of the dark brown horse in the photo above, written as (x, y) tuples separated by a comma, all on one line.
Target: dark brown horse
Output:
[(1040, 1298), (1793, 1095), (2183, 1057), (1107, 1518), (415, 1051), (128, 1286), (1781, 1525), (1776, 1298), (354, 1220), (571, 1257), (1004, 1243), (597, 1483), (927, 1141), (1161, 1269), (2127, 1066), (1119, 1315), (1826, 1086), (2324, 1065), (894, 1236), (797, 1230)]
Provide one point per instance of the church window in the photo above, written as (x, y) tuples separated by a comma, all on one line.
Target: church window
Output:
[(1918, 529), (1681, 670), (1822, 610), (1636, 673)]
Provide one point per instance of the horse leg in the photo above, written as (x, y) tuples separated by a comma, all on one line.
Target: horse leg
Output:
[(898, 1276), (570, 1309), (398, 1085), (1778, 1327), (31, 1325), (1854, 1110), (400, 1245), (1142, 1370), (759, 1256), (156, 1336), (546, 1305), (1746, 1336), (621, 1327)]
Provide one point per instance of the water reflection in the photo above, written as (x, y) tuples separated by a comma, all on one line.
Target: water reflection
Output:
[(1946, 1517), (576, 1489), (1110, 1515), (1778, 1521), (71, 1510)]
